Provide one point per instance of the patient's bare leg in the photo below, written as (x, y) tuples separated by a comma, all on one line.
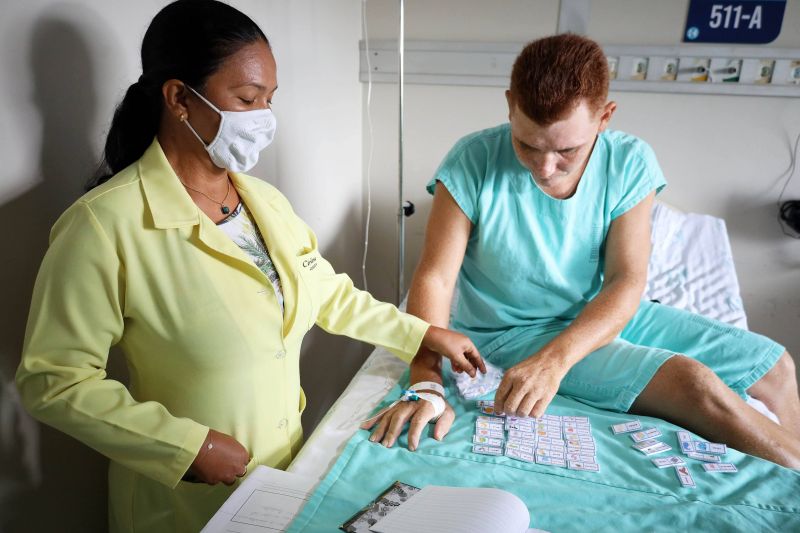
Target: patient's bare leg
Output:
[(778, 390), (689, 394)]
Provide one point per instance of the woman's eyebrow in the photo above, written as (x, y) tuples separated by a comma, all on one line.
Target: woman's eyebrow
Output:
[(256, 85)]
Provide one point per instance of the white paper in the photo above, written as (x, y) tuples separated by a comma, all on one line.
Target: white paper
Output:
[(266, 501), (458, 509)]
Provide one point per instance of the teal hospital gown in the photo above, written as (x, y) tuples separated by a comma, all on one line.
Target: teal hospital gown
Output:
[(533, 262)]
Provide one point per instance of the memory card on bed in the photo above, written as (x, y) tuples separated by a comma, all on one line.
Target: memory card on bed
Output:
[(553, 454), (665, 462), (552, 441), (520, 455), (488, 441), (552, 447), (490, 433), (626, 427), (520, 425), (652, 447), (705, 457), (710, 447), (550, 461), (726, 468), (581, 458), (483, 424), (684, 476), (520, 447), (488, 410), (487, 450), (685, 442), (646, 434), (586, 466), (519, 434), (529, 442)]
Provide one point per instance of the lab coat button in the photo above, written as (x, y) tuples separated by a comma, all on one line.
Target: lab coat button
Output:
[(282, 423), (280, 354)]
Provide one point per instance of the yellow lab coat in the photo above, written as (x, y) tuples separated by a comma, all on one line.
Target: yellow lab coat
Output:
[(134, 262)]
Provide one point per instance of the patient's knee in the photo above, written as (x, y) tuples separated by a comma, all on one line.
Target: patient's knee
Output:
[(785, 368), (700, 388)]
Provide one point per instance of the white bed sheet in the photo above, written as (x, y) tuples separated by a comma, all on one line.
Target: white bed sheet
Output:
[(691, 267)]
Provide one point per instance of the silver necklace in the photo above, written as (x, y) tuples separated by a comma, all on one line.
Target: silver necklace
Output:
[(222, 207)]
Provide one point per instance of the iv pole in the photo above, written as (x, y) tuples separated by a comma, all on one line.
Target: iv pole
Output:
[(401, 223)]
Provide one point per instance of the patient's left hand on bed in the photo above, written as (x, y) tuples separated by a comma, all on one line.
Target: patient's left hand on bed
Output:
[(528, 387), (458, 348), (390, 424)]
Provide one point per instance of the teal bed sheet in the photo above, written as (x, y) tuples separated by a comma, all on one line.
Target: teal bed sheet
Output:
[(628, 494)]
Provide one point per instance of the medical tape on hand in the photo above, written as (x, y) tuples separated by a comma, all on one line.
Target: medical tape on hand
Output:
[(412, 396), (437, 402)]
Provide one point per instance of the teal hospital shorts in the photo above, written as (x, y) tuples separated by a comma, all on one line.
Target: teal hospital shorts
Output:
[(613, 376)]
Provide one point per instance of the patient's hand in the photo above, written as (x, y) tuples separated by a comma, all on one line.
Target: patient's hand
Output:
[(463, 355), (528, 387), (391, 423)]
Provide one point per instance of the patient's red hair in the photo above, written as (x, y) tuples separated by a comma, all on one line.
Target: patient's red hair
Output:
[(551, 76)]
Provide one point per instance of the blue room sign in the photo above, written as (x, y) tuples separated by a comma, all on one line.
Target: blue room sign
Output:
[(734, 21)]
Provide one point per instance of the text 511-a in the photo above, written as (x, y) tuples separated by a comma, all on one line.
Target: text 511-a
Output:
[(734, 17)]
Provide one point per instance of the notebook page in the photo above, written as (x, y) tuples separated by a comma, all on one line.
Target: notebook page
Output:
[(464, 509), (265, 502)]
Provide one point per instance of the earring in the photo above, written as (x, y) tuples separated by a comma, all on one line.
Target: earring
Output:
[(183, 118)]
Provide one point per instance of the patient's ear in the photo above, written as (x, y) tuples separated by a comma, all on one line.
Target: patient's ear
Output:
[(511, 101), (606, 113)]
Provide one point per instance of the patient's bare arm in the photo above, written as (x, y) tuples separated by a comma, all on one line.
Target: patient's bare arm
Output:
[(528, 387), (429, 298)]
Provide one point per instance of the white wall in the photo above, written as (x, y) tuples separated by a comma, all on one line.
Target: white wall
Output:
[(722, 155), (65, 66)]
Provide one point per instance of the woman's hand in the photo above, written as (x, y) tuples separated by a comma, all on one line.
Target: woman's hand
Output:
[(528, 387), (463, 355), (221, 459), (391, 423)]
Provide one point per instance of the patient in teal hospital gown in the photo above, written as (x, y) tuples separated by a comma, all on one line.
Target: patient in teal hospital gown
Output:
[(542, 226)]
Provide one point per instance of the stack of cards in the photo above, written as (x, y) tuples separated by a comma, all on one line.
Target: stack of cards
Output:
[(563, 441), (644, 440), (709, 453)]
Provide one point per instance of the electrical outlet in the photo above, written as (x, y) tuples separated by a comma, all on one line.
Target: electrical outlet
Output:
[(662, 68), (725, 70), (757, 71), (639, 68), (693, 69), (794, 72)]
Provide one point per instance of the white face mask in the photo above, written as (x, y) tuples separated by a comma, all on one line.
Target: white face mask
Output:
[(240, 138)]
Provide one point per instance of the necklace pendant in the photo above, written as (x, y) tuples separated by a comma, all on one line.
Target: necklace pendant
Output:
[(225, 209)]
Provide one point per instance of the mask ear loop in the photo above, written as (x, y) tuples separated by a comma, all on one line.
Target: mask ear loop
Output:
[(212, 106), (203, 98)]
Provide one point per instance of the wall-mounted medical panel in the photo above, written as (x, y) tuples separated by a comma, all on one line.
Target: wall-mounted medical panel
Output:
[(740, 70)]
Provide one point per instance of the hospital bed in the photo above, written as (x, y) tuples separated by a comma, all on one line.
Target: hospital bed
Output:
[(691, 267)]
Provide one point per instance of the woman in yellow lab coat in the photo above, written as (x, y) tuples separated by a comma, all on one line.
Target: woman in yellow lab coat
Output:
[(203, 275)]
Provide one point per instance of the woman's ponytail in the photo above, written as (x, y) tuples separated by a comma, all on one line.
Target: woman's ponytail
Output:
[(133, 127)]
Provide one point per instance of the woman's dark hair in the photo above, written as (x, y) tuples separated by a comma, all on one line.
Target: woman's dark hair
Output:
[(188, 40)]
